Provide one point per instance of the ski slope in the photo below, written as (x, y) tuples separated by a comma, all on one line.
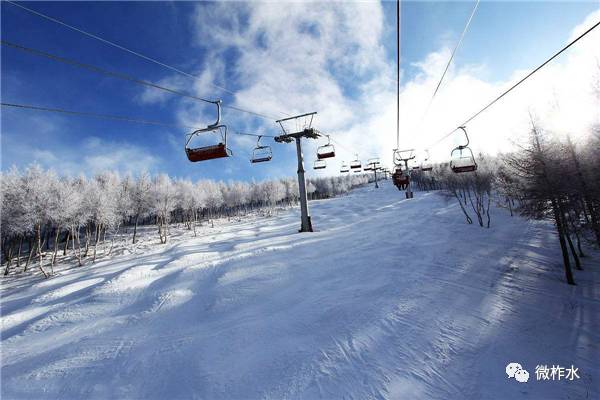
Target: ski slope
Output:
[(389, 299)]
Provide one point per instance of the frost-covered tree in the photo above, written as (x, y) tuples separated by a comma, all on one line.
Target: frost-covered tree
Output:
[(37, 201), (189, 201), (14, 221), (291, 190), (65, 201), (77, 214), (164, 201), (141, 200), (543, 195), (212, 196), (235, 194), (101, 199)]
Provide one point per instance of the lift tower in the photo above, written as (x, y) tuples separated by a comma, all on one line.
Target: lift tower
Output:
[(304, 130)]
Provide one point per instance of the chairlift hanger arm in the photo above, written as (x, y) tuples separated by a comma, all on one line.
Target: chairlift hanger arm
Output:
[(400, 155), (296, 116), (308, 132), (463, 128)]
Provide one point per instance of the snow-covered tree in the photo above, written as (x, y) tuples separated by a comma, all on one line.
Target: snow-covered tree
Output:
[(14, 221), (141, 200), (164, 201), (37, 202)]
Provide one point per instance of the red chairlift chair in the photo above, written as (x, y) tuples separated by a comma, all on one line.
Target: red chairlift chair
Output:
[(210, 152)]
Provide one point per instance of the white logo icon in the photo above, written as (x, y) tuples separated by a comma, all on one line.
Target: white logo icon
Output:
[(522, 376), (515, 370)]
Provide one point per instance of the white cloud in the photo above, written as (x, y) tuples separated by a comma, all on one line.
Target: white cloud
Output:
[(120, 157), (329, 57)]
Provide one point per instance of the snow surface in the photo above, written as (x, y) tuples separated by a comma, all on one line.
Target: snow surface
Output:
[(391, 299)]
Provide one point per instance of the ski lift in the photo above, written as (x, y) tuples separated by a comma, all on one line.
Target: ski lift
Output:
[(400, 180), (462, 163), (344, 169), (212, 151), (426, 164), (320, 164), (326, 151), (356, 164), (261, 153)]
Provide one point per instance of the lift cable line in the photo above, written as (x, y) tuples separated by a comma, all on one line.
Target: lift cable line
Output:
[(471, 118), (462, 36), (118, 46), (121, 76), (398, 74), (114, 117), (460, 40), (110, 43)]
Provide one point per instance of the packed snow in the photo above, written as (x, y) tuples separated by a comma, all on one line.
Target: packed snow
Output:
[(388, 299)]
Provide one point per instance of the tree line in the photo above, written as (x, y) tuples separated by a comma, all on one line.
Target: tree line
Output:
[(44, 215), (550, 177)]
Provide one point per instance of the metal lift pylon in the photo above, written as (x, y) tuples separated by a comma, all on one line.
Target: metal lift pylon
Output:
[(287, 137)]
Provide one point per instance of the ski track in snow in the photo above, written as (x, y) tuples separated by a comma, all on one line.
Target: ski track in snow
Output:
[(389, 299)]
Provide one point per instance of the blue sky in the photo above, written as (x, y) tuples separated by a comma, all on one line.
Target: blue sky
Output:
[(337, 59)]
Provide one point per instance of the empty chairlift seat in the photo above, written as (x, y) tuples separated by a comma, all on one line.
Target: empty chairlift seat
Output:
[(461, 157), (356, 165), (463, 164), (319, 164), (209, 152), (261, 153), (326, 151)]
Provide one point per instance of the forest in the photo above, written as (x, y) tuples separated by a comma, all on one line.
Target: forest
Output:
[(45, 215)]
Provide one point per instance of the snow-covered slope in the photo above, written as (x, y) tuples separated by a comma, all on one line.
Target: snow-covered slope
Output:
[(389, 299)]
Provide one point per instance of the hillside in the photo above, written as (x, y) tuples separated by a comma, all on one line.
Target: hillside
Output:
[(390, 298)]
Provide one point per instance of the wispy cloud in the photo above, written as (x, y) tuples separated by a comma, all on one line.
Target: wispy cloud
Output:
[(329, 57)]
